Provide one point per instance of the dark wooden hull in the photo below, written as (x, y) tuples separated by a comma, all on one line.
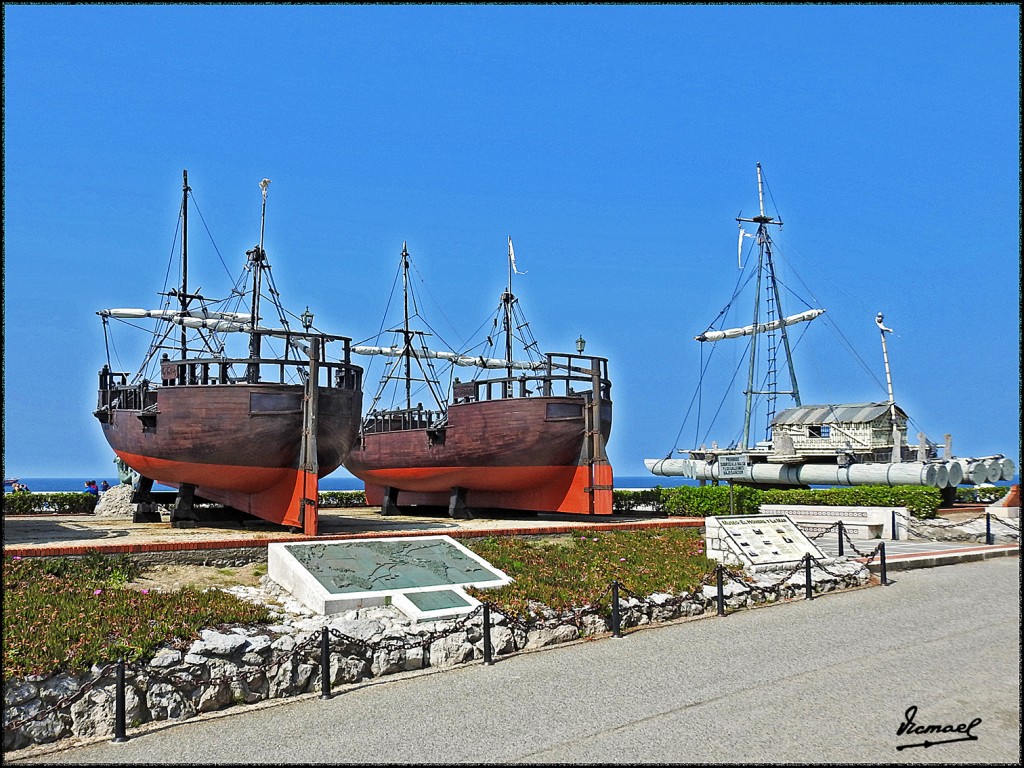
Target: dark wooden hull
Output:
[(231, 445), (518, 453)]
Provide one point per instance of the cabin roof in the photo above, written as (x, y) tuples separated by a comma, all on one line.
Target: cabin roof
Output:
[(842, 413)]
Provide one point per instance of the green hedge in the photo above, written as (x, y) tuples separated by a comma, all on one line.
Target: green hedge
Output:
[(710, 500), (330, 499), (920, 501), (49, 503), (651, 500), (972, 494), (85, 503)]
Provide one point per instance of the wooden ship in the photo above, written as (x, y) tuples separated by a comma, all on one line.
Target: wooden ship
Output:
[(821, 444), (253, 432), (526, 434)]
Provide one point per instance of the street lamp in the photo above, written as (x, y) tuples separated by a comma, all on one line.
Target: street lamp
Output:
[(580, 344), (307, 319)]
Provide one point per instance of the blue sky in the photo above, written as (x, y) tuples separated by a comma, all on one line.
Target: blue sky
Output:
[(615, 144)]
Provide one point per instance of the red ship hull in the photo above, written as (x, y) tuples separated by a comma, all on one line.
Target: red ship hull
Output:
[(529, 453)]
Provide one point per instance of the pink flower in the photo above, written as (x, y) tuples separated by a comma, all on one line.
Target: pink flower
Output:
[(16, 557), (144, 591), (97, 591), (622, 559)]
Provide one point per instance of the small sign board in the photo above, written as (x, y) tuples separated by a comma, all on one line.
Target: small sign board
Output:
[(765, 539), (732, 465)]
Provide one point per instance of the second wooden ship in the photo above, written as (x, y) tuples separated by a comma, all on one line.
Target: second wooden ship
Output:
[(531, 437)]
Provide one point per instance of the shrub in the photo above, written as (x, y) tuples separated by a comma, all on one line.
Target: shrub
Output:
[(710, 500), (981, 495), (331, 499), (651, 500), (49, 503), (920, 501)]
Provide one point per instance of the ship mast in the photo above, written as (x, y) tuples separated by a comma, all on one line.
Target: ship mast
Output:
[(897, 451), (406, 336), (766, 266), (183, 298), (507, 300), (258, 256)]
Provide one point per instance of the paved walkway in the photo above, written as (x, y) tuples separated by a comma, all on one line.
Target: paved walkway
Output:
[(56, 535)]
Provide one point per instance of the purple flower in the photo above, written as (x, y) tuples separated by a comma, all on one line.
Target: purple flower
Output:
[(16, 557), (97, 591), (144, 591)]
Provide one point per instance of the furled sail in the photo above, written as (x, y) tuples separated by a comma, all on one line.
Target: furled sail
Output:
[(733, 333), (453, 357), (169, 314), (191, 318)]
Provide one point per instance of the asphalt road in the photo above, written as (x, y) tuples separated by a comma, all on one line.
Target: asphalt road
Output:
[(823, 681)]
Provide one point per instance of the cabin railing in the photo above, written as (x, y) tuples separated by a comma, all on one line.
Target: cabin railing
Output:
[(564, 375), (403, 419)]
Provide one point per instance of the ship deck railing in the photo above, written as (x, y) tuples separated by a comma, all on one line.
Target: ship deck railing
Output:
[(116, 391), (563, 375)]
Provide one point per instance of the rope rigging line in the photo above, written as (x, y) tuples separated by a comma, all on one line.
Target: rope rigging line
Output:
[(209, 234)]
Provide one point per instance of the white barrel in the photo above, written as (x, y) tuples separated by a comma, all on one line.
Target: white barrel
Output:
[(975, 471), (906, 473), (995, 470), (1008, 467), (956, 473)]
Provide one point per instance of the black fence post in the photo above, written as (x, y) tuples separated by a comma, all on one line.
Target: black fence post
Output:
[(895, 530), (988, 528), (119, 729), (616, 624), (487, 635), (721, 590), (840, 538), (325, 665), (881, 561), (808, 590)]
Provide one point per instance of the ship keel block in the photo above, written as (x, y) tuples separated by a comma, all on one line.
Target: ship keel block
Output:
[(292, 502), (568, 490), (283, 496)]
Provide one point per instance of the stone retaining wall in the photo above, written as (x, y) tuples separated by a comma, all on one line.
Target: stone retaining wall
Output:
[(250, 664)]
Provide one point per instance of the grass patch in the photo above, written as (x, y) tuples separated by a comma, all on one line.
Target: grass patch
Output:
[(577, 570), (70, 613)]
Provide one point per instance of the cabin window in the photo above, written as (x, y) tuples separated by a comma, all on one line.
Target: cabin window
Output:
[(275, 402), (565, 411), (819, 430)]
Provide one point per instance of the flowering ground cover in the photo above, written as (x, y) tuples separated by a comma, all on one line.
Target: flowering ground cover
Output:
[(71, 613), (576, 570)]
